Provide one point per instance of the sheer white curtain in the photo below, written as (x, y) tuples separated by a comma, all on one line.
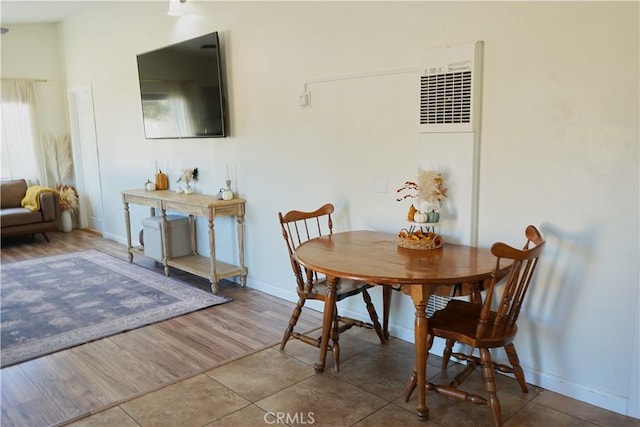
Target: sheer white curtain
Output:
[(22, 153)]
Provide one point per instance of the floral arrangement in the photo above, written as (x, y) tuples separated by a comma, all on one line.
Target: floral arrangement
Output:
[(188, 175), (428, 188), (68, 198)]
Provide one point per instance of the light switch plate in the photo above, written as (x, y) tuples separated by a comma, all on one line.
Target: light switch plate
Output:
[(380, 183)]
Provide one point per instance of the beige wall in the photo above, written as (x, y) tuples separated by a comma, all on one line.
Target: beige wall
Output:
[(559, 145)]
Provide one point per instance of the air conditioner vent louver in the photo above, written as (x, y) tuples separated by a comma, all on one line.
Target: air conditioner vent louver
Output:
[(450, 89), (445, 98)]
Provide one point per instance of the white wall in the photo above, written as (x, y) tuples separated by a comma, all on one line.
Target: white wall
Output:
[(559, 145)]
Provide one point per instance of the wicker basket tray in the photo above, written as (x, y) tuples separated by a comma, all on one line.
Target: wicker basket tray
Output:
[(424, 244)]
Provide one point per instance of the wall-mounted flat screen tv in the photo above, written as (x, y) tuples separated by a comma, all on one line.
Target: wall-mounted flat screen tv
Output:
[(181, 87)]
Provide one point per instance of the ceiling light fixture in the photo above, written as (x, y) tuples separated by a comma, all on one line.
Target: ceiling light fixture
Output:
[(175, 7)]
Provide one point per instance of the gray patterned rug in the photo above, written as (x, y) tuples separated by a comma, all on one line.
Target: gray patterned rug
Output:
[(53, 303)]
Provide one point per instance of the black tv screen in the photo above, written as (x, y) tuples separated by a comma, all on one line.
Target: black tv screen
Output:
[(181, 90)]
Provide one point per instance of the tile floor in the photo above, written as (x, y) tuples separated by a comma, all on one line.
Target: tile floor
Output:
[(271, 387)]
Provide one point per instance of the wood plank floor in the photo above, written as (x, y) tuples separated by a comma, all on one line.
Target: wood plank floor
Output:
[(64, 386)]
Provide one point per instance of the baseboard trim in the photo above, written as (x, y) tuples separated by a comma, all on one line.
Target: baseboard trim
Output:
[(618, 404)]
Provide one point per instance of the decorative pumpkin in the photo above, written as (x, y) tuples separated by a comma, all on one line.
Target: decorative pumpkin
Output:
[(227, 194), (420, 216), (411, 213), (162, 181)]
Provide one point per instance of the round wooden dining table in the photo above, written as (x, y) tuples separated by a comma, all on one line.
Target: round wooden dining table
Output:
[(376, 258)]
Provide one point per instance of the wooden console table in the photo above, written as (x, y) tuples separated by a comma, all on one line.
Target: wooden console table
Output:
[(202, 205)]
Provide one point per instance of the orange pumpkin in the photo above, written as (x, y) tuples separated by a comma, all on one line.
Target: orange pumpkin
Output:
[(411, 213), (162, 181)]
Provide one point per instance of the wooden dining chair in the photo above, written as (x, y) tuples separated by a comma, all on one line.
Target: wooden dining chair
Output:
[(475, 296), (297, 228), (478, 326)]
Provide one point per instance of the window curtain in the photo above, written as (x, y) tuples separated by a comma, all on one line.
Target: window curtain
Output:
[(22, 153)]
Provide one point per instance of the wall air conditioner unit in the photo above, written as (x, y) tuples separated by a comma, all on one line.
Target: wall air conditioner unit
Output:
[(450, 88)]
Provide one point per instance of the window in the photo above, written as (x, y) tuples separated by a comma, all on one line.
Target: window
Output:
[(19, 131)]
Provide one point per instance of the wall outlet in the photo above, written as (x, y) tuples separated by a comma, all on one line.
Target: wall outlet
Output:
[(304, 100)]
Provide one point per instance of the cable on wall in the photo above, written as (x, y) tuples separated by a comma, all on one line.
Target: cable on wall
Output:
[(304, 99)]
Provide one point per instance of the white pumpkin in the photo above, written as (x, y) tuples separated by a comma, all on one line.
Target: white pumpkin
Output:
[(420, 216), (227, 194)]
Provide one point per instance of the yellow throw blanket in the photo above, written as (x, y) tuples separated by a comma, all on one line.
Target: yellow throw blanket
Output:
[(31, 199)]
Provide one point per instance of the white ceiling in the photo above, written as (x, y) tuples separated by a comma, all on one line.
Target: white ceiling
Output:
[(29, 12)]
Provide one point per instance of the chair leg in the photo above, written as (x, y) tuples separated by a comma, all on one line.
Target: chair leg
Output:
[(46, 237), (446, 354), (292, 322), (373, 315), (411, 384), (335, 336), (413, 380), (515, 365), (488, 375)]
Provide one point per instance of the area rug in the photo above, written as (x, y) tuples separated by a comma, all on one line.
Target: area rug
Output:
[(50, 304)]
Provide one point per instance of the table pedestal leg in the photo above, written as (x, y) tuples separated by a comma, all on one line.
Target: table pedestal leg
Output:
[(327, 320), (420, 296), (386, 308)]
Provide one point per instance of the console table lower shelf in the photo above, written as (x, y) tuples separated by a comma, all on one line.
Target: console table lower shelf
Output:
[(201, 266)]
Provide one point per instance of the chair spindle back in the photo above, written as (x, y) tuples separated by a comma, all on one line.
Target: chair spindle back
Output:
[(297, 228), (517, 283)]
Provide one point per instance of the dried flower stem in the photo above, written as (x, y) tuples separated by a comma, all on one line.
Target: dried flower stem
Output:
[(429, 188), (68, 198)]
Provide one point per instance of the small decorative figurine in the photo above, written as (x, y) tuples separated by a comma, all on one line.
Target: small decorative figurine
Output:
[(186, 178)]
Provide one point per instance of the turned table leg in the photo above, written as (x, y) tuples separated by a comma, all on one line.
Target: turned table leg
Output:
[(420, 296), (127, 222), (212, 260)]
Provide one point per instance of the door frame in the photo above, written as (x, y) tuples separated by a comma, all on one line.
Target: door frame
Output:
[(83, 137)]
